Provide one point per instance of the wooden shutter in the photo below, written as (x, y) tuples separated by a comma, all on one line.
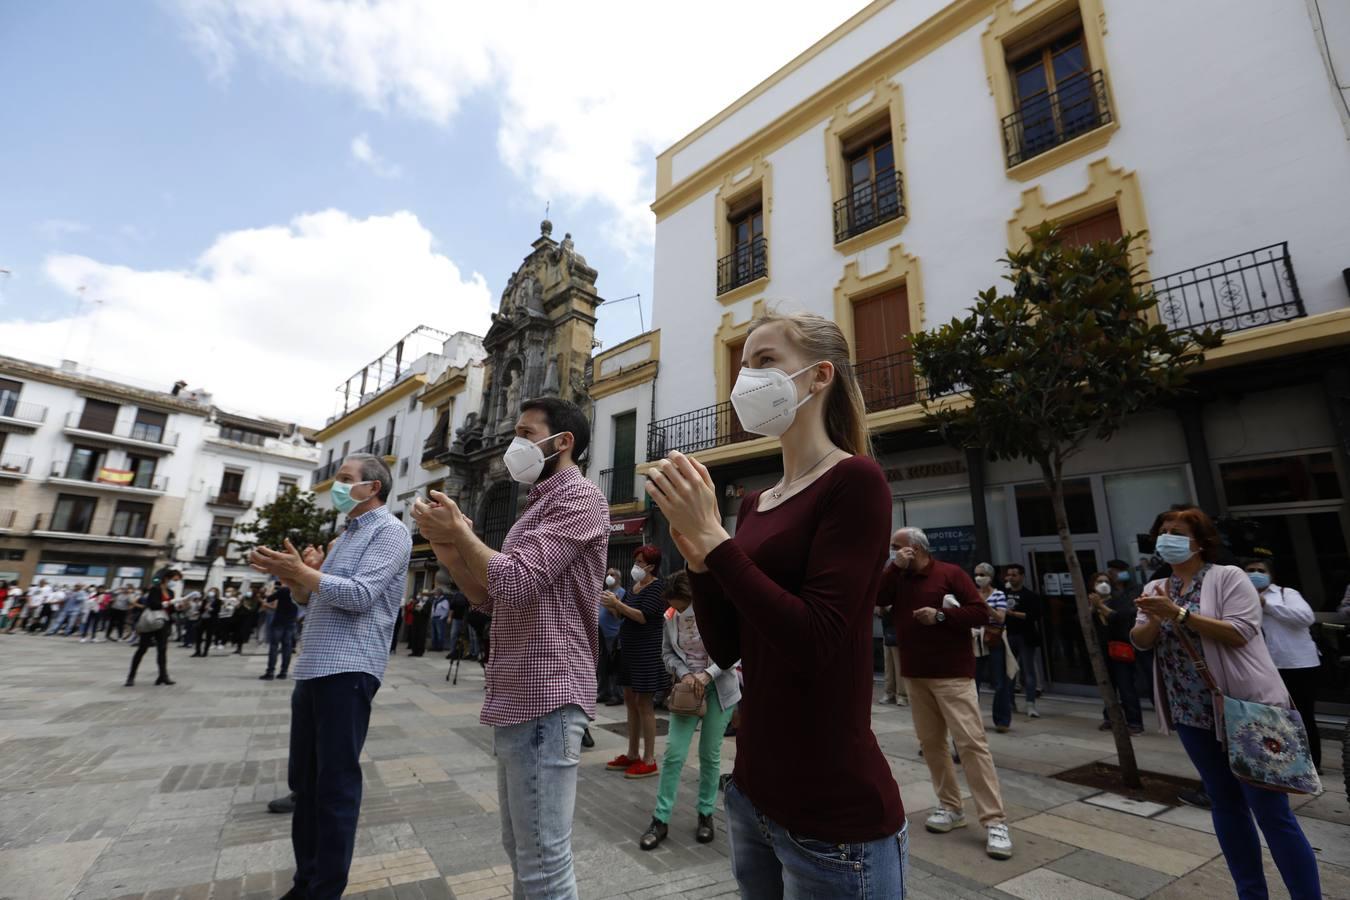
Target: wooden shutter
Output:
[(1104, 226), (734, 357), (881, 330), (99, 415), (625, 455)]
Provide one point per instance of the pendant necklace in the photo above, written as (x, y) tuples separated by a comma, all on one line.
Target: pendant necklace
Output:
[(776, 492)]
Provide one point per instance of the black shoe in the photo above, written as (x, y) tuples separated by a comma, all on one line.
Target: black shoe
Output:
[(159, 681), (293, 894), (282, 675), (586, 740), (131, 682), (655, 834), (705, 832), (282, 804), (1198, 799), (266, 676)]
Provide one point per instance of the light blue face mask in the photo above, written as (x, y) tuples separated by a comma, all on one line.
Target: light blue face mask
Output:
[(343, 501), (1260, 580), (1173, 549)]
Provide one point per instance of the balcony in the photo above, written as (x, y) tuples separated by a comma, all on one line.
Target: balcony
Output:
[(105, 530), (618, 485), (7, 517), (209, 549), (230, 499), (743, 265), (127, 434), (139, 484), (325, 473), (21, 416), (15, 467), (868, 205), (887, 382), (1245, 291), (1044, 122), (380, 447)]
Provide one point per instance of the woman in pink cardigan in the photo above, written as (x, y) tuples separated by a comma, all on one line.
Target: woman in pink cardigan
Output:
[(1219, 610)]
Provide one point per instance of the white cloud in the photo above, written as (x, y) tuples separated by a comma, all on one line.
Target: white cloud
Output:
[(269, 320), (589, 93), (56, 229), (365, 154)]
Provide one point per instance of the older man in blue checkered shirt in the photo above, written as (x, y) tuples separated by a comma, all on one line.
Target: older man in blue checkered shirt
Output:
[(352, 594)]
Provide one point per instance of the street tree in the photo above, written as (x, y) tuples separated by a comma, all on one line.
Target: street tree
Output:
[(1065, 356), (294, 515)]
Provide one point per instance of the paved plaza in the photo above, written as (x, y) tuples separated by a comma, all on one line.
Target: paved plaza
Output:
[(160, 792)]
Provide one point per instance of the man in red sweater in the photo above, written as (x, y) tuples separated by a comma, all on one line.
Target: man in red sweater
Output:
[(935, 605)]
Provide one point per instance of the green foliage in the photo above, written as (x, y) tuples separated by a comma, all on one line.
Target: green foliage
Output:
[(1065, 356), (293, 514)]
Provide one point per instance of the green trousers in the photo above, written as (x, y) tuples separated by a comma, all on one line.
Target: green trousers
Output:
[(709, 756)]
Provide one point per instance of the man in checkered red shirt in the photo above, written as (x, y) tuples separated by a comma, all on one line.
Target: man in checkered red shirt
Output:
[(542, 591)]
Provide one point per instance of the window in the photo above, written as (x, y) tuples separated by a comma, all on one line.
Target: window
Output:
[(99, 415), (346, 448), (748, 259), (242, 436), (231, 484), (412, 403), (131, 519), (149, 426), (290, 482), (1036, 515), (329, 460), (84, 463), (74, 514), (1056, 94), (1104, 226), (873, 185), (142, 471), (221, 529), (625, 456), (402, 467), (370, 441), (1309, 477), (1134, 499), (881, 329), (9, 396)]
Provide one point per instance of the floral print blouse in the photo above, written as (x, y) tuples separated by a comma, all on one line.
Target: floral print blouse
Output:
[(1189, 699)]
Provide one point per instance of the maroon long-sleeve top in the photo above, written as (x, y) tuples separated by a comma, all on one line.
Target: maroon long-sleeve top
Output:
[(791, 596), (941, 650)]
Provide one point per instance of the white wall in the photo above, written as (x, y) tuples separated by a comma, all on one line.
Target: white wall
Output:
[(636, 399)]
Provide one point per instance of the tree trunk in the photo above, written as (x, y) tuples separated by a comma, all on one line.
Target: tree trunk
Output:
[(1129, 768)]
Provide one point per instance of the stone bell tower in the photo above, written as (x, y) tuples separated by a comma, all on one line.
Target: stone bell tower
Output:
[(539, 345)]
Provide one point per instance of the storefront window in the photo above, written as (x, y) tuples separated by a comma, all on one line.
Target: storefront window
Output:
[(948, 521), (1284, 479), (1133, 501), (1036, 514), (996, 507)]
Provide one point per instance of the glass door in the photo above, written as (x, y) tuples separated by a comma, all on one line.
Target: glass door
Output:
[(1062, 648)]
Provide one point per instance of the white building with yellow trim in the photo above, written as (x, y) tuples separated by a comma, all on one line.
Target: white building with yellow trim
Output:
[(880, 176)]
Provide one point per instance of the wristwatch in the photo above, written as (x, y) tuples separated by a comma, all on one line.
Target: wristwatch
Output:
[(941, 617), (1183, 615)]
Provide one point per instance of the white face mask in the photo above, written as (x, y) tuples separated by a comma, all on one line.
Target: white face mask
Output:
[(638, 573), (1103, 588), (983, 580), (766, 401), (609, 581), (1007, 585), (525, 461)]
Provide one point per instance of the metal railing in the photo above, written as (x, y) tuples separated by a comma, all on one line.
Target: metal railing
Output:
[(208, 549), (1245, 291), (1041, 123), (7, 517), (62, 469), (325, 472), (11, 408), (432, 452), (235, 499), (743, 265), (618, 484), (869, 204), (887, 382), (13, 464), (105, 527), (380, 446), (128, 431)]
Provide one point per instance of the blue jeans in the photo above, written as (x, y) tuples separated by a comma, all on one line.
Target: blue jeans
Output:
[(537, 792), (769, 862), (1003, 685), (329, 719), (1122, 677), (1234, 804), (437, 633), (67, 617), (458, 625), (280, 638), (1026, 654)]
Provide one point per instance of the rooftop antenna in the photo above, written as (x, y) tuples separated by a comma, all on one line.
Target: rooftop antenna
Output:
[(642, 320)]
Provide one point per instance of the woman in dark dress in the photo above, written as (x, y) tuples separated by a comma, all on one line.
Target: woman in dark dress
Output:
[(642, 674), (158, 599)]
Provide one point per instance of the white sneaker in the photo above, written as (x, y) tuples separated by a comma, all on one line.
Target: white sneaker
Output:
[(901, 701), (944, 820), (1031, 711), (999, 844), (84, 640), (888, 700)]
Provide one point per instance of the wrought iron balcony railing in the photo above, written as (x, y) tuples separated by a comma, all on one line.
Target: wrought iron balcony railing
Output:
[(380, 446), (325, 472), (13, 465), (128, 431), (11, 408), (868, 205), (210, 549), (743, 265), (890, 382), (104, 478), (1245, 291), (1043, 122), (618, 484), (116, 527), (234, 499)]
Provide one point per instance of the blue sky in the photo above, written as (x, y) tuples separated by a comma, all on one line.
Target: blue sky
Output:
[(165, 156)]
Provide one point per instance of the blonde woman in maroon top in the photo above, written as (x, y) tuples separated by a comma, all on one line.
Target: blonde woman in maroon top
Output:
[(812, 807)]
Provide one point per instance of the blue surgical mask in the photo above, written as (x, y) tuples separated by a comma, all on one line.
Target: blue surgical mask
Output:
[(343, 501), (1174, 549), (1260, 580), (1122, 577)]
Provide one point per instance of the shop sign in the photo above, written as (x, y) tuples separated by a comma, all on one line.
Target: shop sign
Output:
[(72, 569), (954, 544), (926, 470), (130, 572), (627, 526)]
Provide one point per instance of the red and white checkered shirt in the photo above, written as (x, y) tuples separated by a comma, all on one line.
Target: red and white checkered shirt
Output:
[(543, 595)]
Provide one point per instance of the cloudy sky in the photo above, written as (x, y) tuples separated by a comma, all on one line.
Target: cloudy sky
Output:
[(258, 196)]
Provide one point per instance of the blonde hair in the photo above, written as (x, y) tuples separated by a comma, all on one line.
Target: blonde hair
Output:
[(822, 341)]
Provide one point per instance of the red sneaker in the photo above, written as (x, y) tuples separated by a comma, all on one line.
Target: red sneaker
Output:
[(640, 769), (620, 763)]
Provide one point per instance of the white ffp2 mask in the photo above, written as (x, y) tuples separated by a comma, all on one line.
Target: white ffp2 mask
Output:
[(524, 460), (766, 401)]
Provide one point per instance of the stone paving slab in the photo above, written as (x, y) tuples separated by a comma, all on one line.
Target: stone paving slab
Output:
[(160, 792)]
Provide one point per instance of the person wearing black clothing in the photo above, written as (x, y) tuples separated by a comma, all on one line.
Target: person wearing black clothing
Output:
[(209, 622), (459, 609), (280, 631), (1023, 624), (421, 625), (159, 599), (1114, 616)]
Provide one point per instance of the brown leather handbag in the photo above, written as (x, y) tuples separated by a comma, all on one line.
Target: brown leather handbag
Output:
[(687, 700)]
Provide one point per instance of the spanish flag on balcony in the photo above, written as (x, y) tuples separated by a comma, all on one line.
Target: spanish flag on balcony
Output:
[(115, 476)]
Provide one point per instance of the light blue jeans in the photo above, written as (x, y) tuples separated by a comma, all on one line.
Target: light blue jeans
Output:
[(769, 862), (537, 792)]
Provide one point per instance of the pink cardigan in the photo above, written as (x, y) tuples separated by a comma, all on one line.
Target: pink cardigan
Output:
[(1246, 672)]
